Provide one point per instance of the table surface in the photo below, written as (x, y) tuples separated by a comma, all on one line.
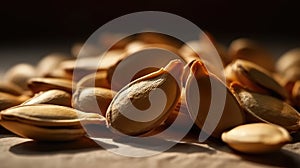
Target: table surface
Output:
[(20, 152)]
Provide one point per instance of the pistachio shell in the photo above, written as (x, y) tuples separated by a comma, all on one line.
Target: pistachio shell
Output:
[(264, 108), (99, 79), (232, 114), (9, 100), (252, 51), (256, 138), (255, 78), (289, 59), (11, 88), (37, 85), (49, 115), (56, 97), (48, 63), (131, 112), (94, 100), (296, 94), (19, 74), (48, 122), (43, 133)]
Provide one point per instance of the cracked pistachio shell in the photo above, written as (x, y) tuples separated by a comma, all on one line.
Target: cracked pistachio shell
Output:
[(48, 122), (92, 99), (134, 111), (264, 108), (201, 81), (255, 78), (57, 97), (256, 138), (37, 85)]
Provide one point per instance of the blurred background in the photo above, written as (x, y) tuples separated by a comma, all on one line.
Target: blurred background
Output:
[(29, 30)]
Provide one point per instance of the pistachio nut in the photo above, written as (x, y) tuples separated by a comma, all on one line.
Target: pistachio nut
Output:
[(288, 60), (92, 99), (250, 50), (146, 102), (49, 63), (8, 100), (256, 138), (201, 81), (57, 97), (48, 122), (19, 74), (255, 78), (11, 88), (264, 108), (99, 79), (37, 85)]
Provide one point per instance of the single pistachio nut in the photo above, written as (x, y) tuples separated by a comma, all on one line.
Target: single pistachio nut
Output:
[(48, 122), (264, 108), (98, 79), (256, 138), (8, 100), (50, 62), (255, 78), (203, 82), (146, 102), (250, 50), (19, 75), (289, 59), (37, 85), (11, 88), (56, 97), (92, 99)]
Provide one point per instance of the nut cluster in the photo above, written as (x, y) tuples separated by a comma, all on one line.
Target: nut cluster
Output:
[(47, 102)]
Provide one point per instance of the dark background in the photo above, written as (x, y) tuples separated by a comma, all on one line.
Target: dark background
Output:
[(71, 21)]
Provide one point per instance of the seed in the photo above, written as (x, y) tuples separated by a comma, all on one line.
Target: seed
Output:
[(48, 122), (57, 97), (202, 82), (250, 50), (264, 108), (255, 78), (19, 75), (8, 100), (49, 63), (292, 73), (37, 85), (99, 79), (137, 109), (256, 138), (288, 60), (92, 99), (11, 88)]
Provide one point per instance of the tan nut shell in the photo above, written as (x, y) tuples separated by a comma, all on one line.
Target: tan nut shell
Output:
[(256, 138), (37, 85), (264, 108), (232, 114), (137, 93), (92, 99), (56, 97), (254, 77)]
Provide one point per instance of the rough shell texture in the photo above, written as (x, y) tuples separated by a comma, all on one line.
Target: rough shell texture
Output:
[(133, 100), (264, 108)]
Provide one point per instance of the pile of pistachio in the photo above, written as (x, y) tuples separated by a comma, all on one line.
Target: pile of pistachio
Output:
[(47, 103)]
